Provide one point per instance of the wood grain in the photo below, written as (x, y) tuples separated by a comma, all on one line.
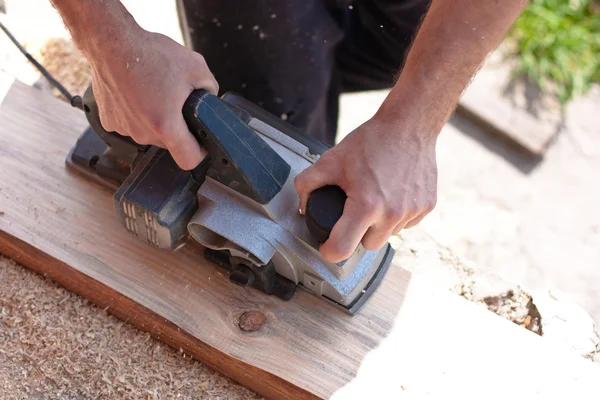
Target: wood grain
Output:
[(62, 225)]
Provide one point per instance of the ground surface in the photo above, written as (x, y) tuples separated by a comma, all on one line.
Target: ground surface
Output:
[(535, 223), (538, 225)]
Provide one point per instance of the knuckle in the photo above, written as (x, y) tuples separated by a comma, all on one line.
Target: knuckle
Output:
[(328, 160), (371, 205), (199, 59), (162, 128), (213, 85), (299, 181), (394, 214)]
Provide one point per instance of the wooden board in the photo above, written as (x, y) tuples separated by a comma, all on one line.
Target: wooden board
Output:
[(512, 109), (63, 226)]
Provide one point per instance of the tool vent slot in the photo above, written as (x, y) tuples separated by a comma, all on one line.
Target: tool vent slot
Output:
[(151, 232), (130, 219)]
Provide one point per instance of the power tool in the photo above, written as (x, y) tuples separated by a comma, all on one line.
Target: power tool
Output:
[(240, 203)]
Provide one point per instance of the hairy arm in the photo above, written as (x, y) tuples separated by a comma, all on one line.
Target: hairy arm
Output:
[(97, 25), (454, 39), (387, 166), (141, 79)]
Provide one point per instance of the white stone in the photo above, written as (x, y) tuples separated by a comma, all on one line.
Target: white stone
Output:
[(489, 285), (566, 323)]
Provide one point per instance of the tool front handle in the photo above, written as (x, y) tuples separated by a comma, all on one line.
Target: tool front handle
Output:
[(237, 156), (323, 210)]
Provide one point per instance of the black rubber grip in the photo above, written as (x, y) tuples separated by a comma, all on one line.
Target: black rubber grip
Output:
[(238, 157), (324, 208)]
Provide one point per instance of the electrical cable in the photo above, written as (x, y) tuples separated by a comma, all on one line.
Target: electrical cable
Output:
[(76, 101)]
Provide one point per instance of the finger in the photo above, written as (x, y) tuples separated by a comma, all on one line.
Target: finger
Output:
[(208, 83), (401, 225), (110, 121), (314, 177), (347, 233), (415, 221), (203, 78), (375, 238), (182, 145)]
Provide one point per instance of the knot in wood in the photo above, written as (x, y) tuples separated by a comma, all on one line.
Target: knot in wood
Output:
[(251, 321)]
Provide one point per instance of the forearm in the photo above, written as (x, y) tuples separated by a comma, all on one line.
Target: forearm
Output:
[(98, 27), (453, 41)]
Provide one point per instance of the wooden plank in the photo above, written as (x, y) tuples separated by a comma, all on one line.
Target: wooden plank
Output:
[(63, 226), (513, 110), (6, 82), (51, 210)]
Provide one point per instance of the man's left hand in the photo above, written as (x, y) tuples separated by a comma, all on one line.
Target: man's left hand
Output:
[(389, 174)]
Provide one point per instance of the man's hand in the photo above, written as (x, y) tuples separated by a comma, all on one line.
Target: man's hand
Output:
[(387, 166), (140, 79), (141, 91), (389, 174)]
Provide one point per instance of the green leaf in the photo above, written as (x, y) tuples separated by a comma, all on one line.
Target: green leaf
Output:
[(558, 42)]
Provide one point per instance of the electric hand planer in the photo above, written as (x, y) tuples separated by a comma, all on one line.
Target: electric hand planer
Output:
[(240, 203)]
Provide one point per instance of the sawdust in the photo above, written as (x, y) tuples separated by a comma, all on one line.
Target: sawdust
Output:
[(56, 345), (67, 65)]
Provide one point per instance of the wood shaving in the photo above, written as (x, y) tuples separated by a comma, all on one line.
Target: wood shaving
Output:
[(66, 64), (54, 344)]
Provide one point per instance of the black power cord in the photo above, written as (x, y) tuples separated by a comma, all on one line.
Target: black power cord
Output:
[(76, 101)]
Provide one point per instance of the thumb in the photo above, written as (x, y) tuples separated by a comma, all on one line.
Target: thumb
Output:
[(314, 177)]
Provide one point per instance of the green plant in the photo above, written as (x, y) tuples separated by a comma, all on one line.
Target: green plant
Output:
[(558, 45)]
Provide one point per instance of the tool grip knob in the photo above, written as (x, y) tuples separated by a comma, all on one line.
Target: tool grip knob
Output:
[(323, 210)]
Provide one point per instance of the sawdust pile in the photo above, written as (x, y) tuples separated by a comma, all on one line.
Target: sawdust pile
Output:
[(67, 65), (54, 344)]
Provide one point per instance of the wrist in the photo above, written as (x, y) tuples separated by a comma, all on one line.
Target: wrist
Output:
[(411, 114), (399, 127)]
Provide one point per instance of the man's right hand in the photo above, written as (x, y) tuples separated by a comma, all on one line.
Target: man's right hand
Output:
[(141, 84)]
